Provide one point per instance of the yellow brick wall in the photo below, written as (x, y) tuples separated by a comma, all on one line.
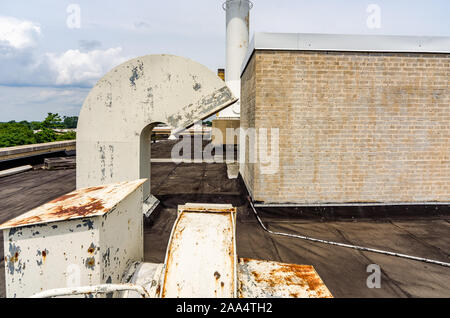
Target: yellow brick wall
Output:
[(354, 127), (248, 86)]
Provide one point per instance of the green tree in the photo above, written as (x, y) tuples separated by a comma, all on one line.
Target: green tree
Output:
[(52, 121), (46, 133), (25, 123), (70, 122), (14, 134), (70, 135), (35, 125)]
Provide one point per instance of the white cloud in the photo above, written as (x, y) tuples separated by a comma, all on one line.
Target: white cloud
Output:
[(19, 34), (83, 68), (22, 65), (47, 94), (54, 82)]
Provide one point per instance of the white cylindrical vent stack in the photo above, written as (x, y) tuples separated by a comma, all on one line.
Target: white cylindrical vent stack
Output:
[(237, 18)]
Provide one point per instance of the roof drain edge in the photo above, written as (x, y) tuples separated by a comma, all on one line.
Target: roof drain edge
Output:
[(356, 247)]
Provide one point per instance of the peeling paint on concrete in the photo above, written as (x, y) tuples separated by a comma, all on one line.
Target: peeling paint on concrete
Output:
[(90, 263), (136, 73), (13, 258)]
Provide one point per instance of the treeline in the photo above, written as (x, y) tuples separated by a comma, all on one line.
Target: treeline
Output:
[(22, 133)]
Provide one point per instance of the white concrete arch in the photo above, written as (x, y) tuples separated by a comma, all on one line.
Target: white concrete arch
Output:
[(113, 134)]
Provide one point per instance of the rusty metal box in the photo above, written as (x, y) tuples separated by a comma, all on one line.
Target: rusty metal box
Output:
[(86, 237)]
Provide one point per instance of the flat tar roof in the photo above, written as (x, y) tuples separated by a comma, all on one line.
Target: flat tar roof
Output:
[(344, 271)]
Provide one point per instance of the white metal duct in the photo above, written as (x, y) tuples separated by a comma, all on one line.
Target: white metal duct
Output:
[(113, 137), (237, 23)]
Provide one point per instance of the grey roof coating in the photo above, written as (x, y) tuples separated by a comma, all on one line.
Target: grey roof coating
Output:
[(346, 43), (344, 271)]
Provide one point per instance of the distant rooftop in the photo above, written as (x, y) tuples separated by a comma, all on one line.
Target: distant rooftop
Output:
[(346, 43)]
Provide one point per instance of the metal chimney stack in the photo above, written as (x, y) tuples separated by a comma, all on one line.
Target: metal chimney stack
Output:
[(237, 19)]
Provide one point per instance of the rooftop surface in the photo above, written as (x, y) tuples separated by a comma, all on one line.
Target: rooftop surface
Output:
[(344, 271)]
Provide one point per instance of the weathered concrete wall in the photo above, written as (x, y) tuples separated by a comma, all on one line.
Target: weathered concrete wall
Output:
[(354, 127)]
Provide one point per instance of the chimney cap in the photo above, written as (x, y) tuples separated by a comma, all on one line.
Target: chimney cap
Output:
[(226, 3)]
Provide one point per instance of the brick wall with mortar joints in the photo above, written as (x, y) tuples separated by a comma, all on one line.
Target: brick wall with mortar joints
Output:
[(248, 88), (354, 127)]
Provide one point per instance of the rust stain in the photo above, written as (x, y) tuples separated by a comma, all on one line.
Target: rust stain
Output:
[(92, 189), (83, 210), (90, 263), (77, 204), (257, 276), (72, 195), (306, 273), (292, 274), (64, 197), (62, 213)]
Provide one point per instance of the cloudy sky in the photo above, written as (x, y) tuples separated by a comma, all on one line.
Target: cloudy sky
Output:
[(49, 59)]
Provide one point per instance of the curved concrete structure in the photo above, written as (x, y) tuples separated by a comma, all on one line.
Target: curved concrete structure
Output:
[(113, 141)]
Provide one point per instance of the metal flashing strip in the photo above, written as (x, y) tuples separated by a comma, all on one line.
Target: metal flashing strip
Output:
[(346, 43), (13, 171), (348, 204)]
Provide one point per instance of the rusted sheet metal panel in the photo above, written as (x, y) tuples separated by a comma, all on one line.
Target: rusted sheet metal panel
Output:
[(201, 256), (81, 203), (266, 279), (78, 250)]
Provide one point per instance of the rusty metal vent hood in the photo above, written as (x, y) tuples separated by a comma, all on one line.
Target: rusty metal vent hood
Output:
[(88, 202)]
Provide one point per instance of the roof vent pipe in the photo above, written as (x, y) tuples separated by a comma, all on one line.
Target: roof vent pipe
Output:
[(237, 23)]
